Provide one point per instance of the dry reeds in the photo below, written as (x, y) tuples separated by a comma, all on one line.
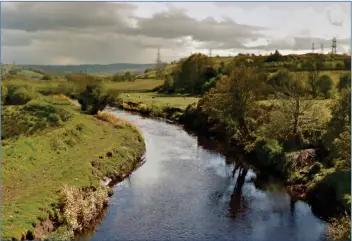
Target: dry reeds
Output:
[(81, 208), (63, 97)]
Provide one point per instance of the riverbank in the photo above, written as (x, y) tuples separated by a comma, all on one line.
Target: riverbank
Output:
[(56, 165), (301, 171)]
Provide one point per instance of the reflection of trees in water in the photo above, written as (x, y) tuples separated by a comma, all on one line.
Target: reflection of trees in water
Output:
[(237, 203)]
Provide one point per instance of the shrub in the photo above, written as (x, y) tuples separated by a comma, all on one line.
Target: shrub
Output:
[(269, 152), (3, 93), (345, 81), (315, 168), (94, 98), (325, 84), (47, 77), (19, 96)]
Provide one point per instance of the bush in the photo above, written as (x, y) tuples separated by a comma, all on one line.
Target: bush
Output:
[(315, 168), (325, 84), (46, 110), (269, 152), (345, 82), (3, 93), (19, 96), (94, 98), (47, 77)]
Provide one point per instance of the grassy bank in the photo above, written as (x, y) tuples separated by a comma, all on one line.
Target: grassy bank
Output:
[(53, 152)]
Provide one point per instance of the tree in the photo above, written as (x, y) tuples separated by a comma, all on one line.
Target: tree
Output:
[(94, 98), (347, 63), (276, 57), (193, 73), (289, 94), (338, 136), (169, 85), (325, 84), (233, 98), (345, 82), (3, 93), (47, 77), (118, 78), (128, 76), (314, 66)]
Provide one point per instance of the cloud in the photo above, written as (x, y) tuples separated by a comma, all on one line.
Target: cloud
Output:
[(108, 32), (301, 43), (40, 16), (334, 16)]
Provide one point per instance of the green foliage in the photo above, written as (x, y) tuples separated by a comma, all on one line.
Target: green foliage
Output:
[(118, 78), (47, 77), (3, 94), (193, 73), (210, 84), (269, 152), (33, 118), (19, 95), (169, 84), (345, 82), (315, 168), (325, 85), (276, 57), (341, 117), (95, 98)]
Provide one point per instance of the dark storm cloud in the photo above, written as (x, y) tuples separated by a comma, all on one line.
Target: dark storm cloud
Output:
[(36, 16)]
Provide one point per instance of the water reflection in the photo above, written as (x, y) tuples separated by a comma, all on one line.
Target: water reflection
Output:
[(238, 203), (191, 189)]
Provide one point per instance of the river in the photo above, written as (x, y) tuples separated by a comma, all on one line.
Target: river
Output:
[(186, 191)]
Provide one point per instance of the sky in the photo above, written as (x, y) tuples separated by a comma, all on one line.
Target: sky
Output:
[(66, 33)]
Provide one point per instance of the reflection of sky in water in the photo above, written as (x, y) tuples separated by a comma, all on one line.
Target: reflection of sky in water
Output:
[(185, 192)]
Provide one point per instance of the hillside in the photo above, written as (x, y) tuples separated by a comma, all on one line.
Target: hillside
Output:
[(94, 68)]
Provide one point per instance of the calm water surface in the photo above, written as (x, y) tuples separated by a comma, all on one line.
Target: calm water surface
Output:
[(185, 191)]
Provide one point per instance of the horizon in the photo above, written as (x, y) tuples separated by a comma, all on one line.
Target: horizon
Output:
[(307, 53)]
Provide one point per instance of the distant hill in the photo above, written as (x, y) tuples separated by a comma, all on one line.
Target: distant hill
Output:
[(93, 68)]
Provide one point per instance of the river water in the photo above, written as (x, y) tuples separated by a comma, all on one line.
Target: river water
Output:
[(186, 191)]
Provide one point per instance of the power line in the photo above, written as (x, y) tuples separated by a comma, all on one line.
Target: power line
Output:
[(322, 48), (334, 46), (313, 48)]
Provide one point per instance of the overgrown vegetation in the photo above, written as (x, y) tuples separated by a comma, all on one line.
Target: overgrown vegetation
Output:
[(47, 138)]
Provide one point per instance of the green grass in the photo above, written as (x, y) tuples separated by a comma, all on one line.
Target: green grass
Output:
[(35, 167), (138, 85), (159, 100)]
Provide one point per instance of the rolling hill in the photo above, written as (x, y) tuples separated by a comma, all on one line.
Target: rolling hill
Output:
[(93, 68)]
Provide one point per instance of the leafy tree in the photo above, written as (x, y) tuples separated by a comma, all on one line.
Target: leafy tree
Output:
[(233, 98), (3, 93), (276, 57), (338, 136), (325, 84), (314, 66), (290, 94), (347, 63), (128, 76), (193, 73), (118, 78), (339, 66), (169, 85), (94, 98), (345, 82), (47, 77)]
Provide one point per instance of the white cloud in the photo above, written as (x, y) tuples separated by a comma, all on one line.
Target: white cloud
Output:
[(107, 32)]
